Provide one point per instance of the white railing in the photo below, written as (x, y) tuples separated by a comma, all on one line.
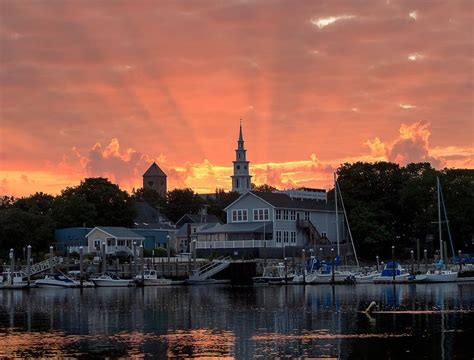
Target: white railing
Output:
[(43, 265), (234, 244)]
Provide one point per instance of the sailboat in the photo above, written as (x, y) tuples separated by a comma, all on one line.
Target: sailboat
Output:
[(440, 275)]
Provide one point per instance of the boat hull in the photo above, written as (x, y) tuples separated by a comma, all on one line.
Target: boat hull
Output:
[(399, 279), (154, 282), (112, 282), (441, 277), (200, 282), (54, 284), (339, 278)]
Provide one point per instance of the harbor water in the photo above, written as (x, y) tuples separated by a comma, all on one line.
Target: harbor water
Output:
[(422, 321)]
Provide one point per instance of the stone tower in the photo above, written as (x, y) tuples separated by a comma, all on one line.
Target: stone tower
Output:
[(241, 178), (155, 178)]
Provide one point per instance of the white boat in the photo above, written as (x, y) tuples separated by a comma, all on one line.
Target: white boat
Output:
[(273, 274), (111, 280), (14, 280), (150, 278), (321, 277), (56, 281), (441, 276), (387, 276), (76, 276), (366, 278)]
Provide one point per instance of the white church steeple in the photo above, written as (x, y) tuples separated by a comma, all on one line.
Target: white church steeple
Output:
[(241, 177)]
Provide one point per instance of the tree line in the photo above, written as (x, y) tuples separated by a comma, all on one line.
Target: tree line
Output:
[(32, 220), (387, 204)]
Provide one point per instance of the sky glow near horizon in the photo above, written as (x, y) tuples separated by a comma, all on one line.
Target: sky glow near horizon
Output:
[(104, 88)]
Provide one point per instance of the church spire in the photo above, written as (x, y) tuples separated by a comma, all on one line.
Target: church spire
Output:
[(241, 137), (241, 177)]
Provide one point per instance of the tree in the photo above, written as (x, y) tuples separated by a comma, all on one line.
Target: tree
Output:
[(180, 202), (458, 191), (19, 228), (151, 196), (221, 200), (95, 202), (263, 188), (38, 203)]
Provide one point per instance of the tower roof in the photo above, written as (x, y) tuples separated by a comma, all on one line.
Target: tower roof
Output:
[(154, 170), (241, 137)]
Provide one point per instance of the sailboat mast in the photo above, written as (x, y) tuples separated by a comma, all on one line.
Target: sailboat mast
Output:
[(337, 215), (347, 223), (439, 221)]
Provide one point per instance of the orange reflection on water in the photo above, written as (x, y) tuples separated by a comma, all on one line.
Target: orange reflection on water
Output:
[(202, 343), (34, 344), (321, 335)]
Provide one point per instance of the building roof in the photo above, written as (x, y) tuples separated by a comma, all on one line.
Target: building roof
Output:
[(197, 219), (283, 201), (154, 226), (247, 227), (154, 170), (148, 214), (183, 230), (117, 232)]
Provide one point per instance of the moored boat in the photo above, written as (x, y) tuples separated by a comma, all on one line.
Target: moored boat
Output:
[(441, 276), (14, 280), (392, 273), (76, 276), (56, 281), (366, 278), (111, 280), (273, 275), (150, 278)]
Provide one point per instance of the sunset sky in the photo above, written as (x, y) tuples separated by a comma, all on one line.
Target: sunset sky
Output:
[(103, 88)]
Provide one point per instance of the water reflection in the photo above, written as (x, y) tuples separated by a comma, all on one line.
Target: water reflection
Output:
[(224, 322)]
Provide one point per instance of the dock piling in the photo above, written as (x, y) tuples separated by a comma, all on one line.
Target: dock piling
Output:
[(81, 266), (332, 266), (28, 263)]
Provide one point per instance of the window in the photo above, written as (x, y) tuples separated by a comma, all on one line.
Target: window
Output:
[(306, 215), (285, 237), (278, 236), (278, 214), (97, 244), (239, 215), (238, 167), (121, 242), (261, 214), (293, 237), (237, 183), (324, 234), (285, 215), (293, 215), (245, 167)]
